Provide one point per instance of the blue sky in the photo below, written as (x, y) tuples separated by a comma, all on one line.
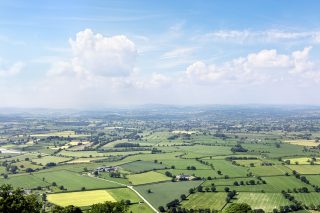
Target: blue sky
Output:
[(109, 53)]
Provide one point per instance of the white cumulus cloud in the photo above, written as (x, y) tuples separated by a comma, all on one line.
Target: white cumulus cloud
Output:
[(265, 65), (98, 55)]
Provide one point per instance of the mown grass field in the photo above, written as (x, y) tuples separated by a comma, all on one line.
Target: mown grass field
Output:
[(140, 208), (308, 198), (25, 181), (47, 159), (227, 168), (211, 200), (147, 177), (266, 201), (306, 169), (162, 193), (202, 151), (184, 163), (270, 170), (74, 181), (141, 166)]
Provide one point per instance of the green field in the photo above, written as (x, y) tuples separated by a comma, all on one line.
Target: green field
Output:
[(266, 201), (147, 177), (270, 170), (74, 181), (47, 159), (229, 169), (308, 198), (211, 200), (26, 181), (162, 193), (141, 166), (306, 169)]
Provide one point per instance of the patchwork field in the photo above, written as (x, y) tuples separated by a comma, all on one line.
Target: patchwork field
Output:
[(248, 154)]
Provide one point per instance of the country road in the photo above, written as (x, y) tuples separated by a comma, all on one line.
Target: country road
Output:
[(154, 209), (130, 187)]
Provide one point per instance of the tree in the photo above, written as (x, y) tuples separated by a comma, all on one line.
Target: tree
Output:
[(238, 208), (12, 201), (213, 188), (29, 170), (226, 189), (110, 207), (161, 209), (191, 191), (67, 209), (183, 197)]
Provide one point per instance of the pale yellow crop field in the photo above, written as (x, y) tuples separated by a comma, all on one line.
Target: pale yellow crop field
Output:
[(85, 198), (303, 142)]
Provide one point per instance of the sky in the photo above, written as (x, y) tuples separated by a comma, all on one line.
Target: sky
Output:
[(95, 54)]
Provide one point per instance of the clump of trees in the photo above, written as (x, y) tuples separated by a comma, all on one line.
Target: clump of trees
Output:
[(239, 208), (238, 148), (15, 200), (126, 145)]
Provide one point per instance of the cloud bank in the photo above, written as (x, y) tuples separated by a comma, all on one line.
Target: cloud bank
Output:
[(104, 71)]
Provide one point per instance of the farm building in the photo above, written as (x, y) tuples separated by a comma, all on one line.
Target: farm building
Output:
[(107, 169), (184, 177)]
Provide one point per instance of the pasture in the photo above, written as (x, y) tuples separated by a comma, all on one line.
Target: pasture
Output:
[(162, 193), (73, 181), (25, 181), (141, 166), (312, 198), (147, 177), (211, 200), (50, 159), (266, 201), (306, 169)]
